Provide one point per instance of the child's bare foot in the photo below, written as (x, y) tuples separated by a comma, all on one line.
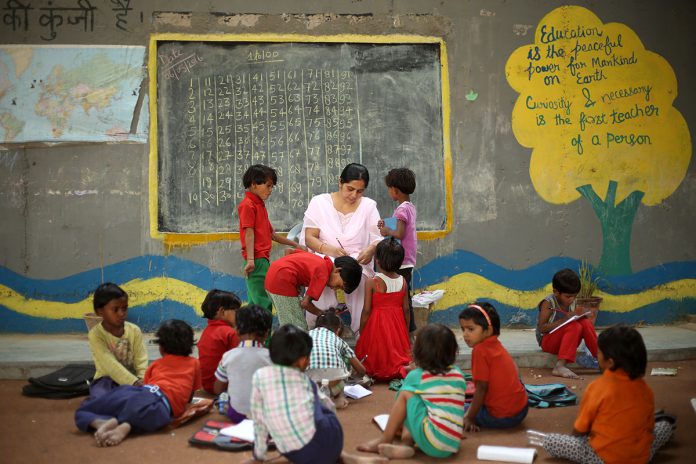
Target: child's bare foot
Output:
[(562, 371), (103, 426), (340, 401), (357, 459), (370, 446), (117, 435), (395, 451), (406, 437)]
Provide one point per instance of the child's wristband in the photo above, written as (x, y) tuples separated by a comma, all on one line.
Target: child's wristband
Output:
[(321, 246)]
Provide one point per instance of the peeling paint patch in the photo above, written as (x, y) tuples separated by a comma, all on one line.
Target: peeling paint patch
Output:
[(182, 19), (397, 21), (316, 20), (244, 20), (521, 29), (488, 13)]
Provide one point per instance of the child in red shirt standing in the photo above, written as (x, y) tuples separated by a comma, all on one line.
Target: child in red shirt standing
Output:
[(616, 421), (220, 308), (301, 269), (500, 400), (256, 232)]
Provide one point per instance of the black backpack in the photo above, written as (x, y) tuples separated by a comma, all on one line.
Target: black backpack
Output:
[(67, 382)]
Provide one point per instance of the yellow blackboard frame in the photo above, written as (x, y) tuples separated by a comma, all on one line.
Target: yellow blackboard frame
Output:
[(188, 239)]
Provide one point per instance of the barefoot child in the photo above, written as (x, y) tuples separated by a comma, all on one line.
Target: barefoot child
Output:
[(239, 364), (307, 432), (401, 183), (302, 269), (616, 421), (256, 232), (330, 351), (554, 310), (169, 385), (220, 308), (500, 400), (117, 345), (385, 317), (430, 403)]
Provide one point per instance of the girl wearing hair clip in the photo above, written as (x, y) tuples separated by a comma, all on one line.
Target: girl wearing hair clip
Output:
[(500, 400)]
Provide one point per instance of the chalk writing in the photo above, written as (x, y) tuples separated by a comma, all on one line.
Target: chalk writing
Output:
[(8, 159), (303, 122), (176, 65)]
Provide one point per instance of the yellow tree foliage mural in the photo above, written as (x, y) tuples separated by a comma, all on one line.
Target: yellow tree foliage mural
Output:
[(596, 108)]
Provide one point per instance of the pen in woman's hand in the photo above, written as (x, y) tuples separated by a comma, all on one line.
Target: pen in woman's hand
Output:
[(339, 243)]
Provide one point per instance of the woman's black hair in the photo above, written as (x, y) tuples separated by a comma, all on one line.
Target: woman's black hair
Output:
[(216, 299), (330, 320), (401, 178), (350, 271), (106, 292), (624, 345), (474, 314), (254, 320), (259, 174), (288, 344), (566, 281), (435, 349), (355, 171), (390, 254), (175, 336)]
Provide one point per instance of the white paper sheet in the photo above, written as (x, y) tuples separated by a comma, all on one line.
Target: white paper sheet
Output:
[(505, 454), (356, 391), (244, 430), (381, 421)]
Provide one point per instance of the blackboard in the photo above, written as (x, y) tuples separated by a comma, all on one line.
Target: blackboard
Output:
[(304, 108)]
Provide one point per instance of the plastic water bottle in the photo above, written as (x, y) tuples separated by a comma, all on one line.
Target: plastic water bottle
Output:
[(223, 399), (324, 388)]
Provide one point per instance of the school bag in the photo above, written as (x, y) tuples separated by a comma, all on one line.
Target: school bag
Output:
[(550, 395), (67, 382)]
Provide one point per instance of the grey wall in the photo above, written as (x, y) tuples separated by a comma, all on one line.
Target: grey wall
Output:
[(49, 231)]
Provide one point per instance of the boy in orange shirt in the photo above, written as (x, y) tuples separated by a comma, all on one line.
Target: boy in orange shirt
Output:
[(616, 421)]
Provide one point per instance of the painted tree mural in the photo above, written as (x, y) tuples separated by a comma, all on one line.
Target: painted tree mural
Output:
[(596, 108)]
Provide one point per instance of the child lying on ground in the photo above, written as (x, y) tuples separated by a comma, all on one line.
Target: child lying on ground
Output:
[(169, 386)]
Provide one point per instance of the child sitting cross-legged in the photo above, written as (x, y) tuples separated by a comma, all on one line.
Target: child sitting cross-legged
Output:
[(286, 405), (219, 336), (239, 364), (117, 345), (330, 351), (616, 421), (430, 403), (169, 385)]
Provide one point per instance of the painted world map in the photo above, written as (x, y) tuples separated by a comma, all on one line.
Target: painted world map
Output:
[(71, 94)]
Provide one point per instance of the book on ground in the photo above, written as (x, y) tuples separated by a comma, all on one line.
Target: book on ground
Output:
[(574, 317), (663, 371), (381, 421), (356, 391), (505, 454)]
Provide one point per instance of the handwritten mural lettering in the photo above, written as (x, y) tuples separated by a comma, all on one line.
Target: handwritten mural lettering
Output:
[(20, 16), (596, 108)]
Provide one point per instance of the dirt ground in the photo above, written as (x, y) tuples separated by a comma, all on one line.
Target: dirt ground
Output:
[(43, 431)]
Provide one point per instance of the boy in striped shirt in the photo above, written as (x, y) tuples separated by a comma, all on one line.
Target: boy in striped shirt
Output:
[(430, 403)]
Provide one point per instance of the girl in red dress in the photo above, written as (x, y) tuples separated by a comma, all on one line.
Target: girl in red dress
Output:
[(383, 342)]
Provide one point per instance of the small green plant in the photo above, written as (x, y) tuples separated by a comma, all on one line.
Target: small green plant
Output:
[(588, 282)]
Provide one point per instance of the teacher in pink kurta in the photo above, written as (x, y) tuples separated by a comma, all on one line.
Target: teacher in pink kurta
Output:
[(344, 223)]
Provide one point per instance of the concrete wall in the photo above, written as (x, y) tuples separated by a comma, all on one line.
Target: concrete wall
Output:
[(74, 215)]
